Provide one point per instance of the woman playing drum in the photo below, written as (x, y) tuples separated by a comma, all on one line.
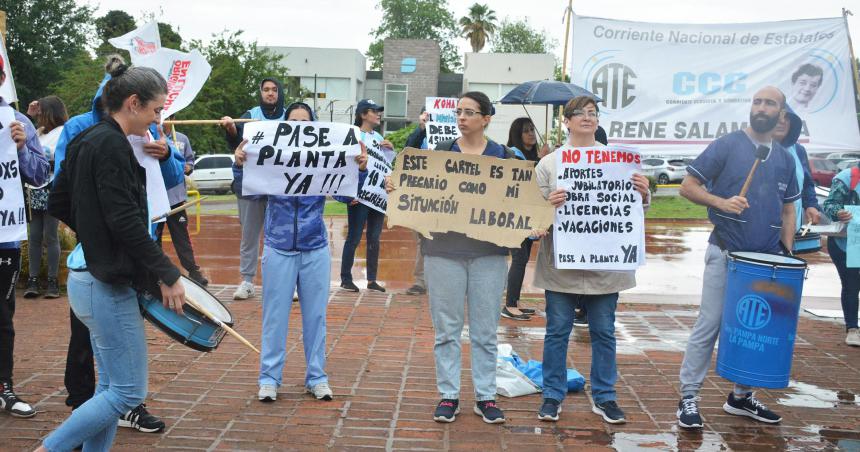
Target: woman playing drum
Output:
[(101, 194)]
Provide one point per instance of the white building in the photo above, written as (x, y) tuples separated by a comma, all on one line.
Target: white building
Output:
[(337, 76), (496, 74)]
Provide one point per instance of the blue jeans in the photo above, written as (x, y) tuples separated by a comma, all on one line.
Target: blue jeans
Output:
[(113, 317), (850, 278), (283, 271), (560, 310), (357, 216), (451, 282)]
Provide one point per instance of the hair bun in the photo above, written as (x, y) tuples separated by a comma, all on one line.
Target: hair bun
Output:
[(118, 70)]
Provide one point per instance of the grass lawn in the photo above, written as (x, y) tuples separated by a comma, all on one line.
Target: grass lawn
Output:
[(675, 208)]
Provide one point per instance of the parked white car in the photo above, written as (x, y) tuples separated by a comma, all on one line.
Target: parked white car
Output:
[(213, 173), (664, 171)]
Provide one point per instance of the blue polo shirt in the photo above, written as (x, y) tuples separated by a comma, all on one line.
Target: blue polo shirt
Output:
[(723, 167)]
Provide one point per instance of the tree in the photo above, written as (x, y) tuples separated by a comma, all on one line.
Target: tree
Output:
[(233, 86), (478, 26), (44, 37), (169, 38), (416, 19), (114, 23), (77, 83), (519, 37)]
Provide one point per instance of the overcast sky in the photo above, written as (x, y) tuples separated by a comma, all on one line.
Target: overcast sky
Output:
[(347, 23)]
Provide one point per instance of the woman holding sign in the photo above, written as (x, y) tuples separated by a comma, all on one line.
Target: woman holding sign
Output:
[(367, 117), (295, 255), (597, 290)]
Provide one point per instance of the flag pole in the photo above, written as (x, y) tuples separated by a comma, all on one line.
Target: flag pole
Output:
[(567, 19), (854, 74)]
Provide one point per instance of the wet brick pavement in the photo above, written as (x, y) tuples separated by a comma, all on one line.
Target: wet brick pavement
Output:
[(381, 369)]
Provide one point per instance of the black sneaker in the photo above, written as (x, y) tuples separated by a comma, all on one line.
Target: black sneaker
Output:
[(688, 412), (488, 411), (550, 410), (375, 286), (350, 286), (610, 412), (581, 318), (510, 315), (140, 419), (52, 288), (32, 290), (198, 277), (447, 410), (749, 406), (10, 402), (416, 290)]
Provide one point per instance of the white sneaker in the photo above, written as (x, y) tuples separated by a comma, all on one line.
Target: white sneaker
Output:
[(853, 337), (244, 291), (267, 393), (321, 391)]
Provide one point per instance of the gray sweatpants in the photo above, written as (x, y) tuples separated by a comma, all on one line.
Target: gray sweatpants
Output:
[(252, 214), (700, 346)]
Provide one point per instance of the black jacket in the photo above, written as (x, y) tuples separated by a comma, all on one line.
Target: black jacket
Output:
[(100, 193)]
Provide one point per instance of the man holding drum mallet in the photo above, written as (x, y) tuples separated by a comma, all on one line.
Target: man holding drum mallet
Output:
[(747, 181)]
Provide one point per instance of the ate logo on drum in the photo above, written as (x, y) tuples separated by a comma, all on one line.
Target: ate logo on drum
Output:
[(753, 312)]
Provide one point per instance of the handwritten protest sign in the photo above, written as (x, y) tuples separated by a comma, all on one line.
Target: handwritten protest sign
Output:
[(372, 193), (13, 220), (601, 226), (485, 198), (442, 125), (301, 159), (156, 192), (853, 248)]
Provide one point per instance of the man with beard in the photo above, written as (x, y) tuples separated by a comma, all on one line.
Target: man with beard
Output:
[(741, 223)]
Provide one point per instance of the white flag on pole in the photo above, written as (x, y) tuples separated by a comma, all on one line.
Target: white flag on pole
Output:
[(185, 74), (7, 90), (139, 42)]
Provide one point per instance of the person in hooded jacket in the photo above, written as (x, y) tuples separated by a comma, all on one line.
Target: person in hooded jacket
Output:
[(252, 209), (295, 256), (34, 169), (80, 377), (786, 132)]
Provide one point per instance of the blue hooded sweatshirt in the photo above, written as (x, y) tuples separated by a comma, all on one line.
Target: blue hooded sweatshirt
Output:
[(801, 162)]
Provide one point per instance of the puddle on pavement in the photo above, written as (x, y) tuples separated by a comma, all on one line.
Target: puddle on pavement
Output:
[(806, 395), (697, 441)]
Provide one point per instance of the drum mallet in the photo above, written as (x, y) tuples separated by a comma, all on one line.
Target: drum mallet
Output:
[(760, 154), (179, 209), (218, 322)]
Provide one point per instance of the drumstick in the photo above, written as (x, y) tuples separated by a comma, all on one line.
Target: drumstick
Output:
[(202, 122), (805, 229), (179, 209), (760, 154), (218, 322)]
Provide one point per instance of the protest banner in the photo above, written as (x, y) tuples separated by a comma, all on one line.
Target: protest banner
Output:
[(139, 42), (485, 198), (442, 124), (601, 226), (13, 219), (185, 74), (674, 88), (372, 193), (156, 192), (7, 89), (852, 251), (297, 158)]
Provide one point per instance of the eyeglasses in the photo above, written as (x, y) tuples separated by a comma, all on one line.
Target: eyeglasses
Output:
[(588, 114), (466, 112)]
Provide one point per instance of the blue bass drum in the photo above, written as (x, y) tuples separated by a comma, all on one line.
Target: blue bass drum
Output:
[(191, 328)]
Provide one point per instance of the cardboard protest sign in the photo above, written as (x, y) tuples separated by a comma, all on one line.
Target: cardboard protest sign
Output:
[(297, 158), (7, 89), (601, 226), (852, 259), (156, 192), (139, 42), (185, 74), (442, 125), (485, 198), (13, 219), (372, 193)]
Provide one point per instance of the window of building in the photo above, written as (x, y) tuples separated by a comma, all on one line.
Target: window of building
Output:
[(396, 96), (332, 88)]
